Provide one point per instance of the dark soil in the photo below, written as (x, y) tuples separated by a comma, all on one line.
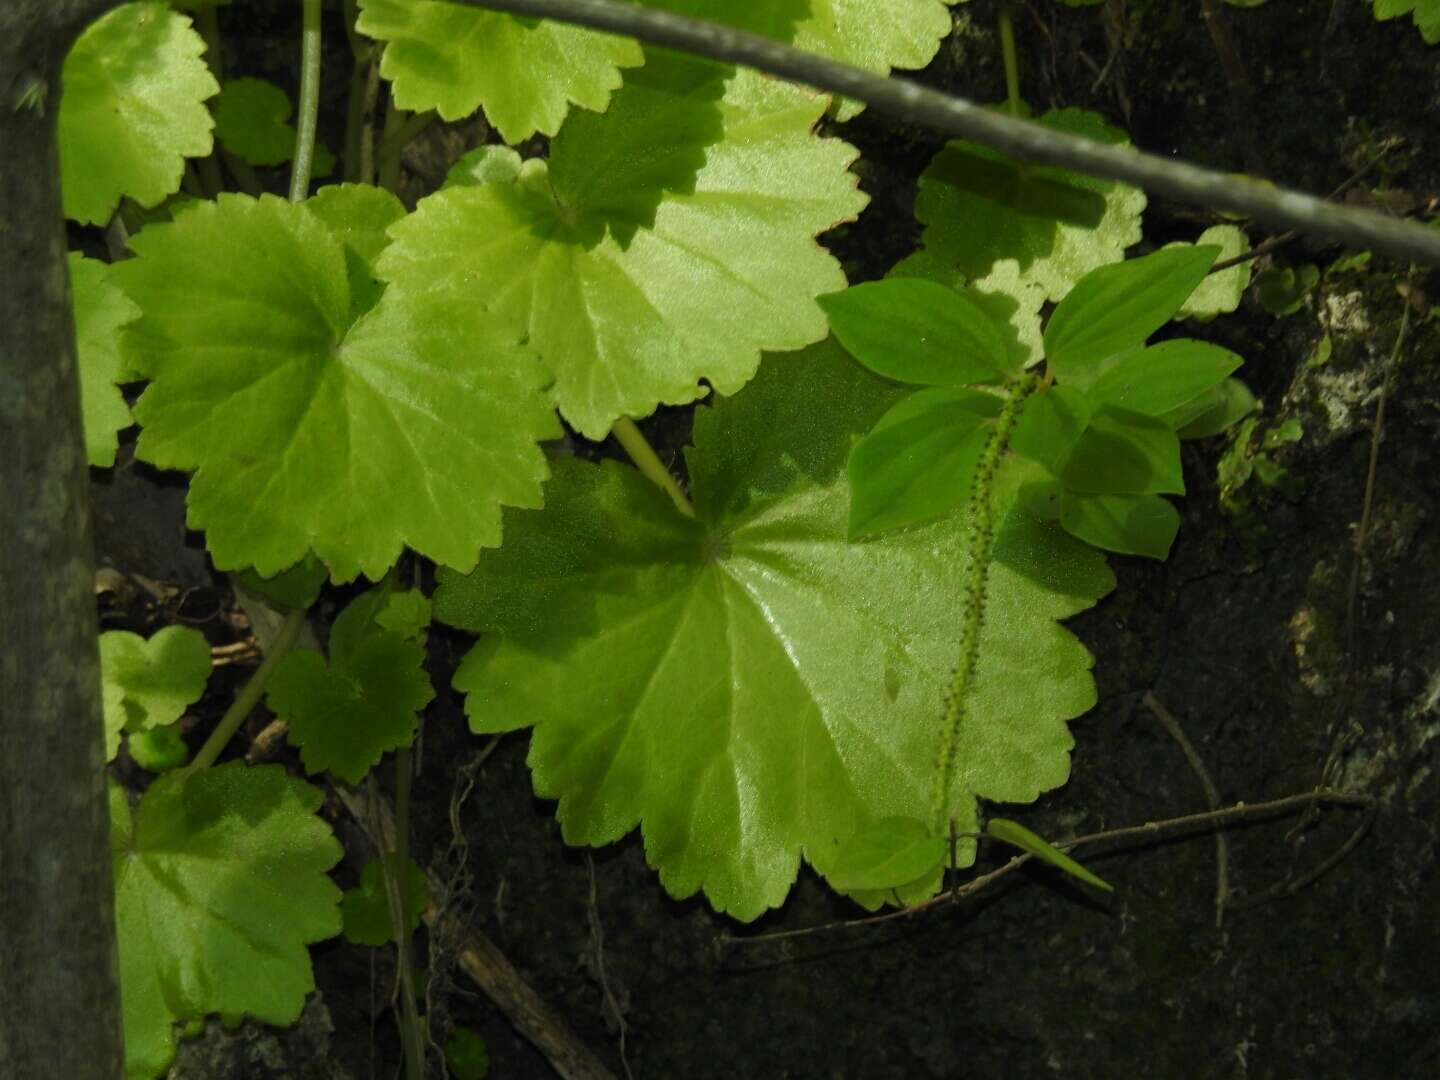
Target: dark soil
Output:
[(1248, 635)]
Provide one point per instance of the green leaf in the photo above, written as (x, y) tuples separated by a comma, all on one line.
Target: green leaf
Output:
[(1123, 453), (358, 216), (747, 683), (150, 683), (916, 331), (1162, 378), (1013, 307), (1049, 426), (347, 715), (1424, 13), (919, 461), (489, 164), (159, 749), (1115, 308), (219, 887), (1128, 524), (466, 1056), (525, 73), (1212, 412), (132, 110), (406, 614), (724, 272), (982, 211), (667, 115), (296, 588), (1282, 290), (308, 424), (365, 910), (1017, 835), (877, 35), (252, 120), (1219, 293), (888, 853), (101, 309)]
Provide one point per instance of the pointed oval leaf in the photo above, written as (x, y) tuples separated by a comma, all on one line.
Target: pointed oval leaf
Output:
[(919, 461), (1124, 453), (525, 73), (1117, 307), (310, 427), (886, 854), (916, 331), (220, 884), (1049, 426), (746, 683), (1160, 379), (1213, 412), (132, 111), (1017, 835), (1127, 524)]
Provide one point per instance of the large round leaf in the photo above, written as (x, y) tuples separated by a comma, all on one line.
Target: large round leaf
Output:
[(133, 110), (310, 421), (748, 684), (525, 73), (632, 285)]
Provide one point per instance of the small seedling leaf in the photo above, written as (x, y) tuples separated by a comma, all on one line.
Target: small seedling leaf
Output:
[(365, 909), (345, 715), (150, 683), (1017, 835)]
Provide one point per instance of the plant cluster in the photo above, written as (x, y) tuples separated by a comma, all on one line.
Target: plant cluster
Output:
[(831, 646)]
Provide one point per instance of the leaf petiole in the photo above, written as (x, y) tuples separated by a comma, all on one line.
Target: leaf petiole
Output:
[(250, 693), (648, 462), (309, 107)]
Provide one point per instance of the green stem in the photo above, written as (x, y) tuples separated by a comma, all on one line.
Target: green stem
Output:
[(648, 462), (357, 107), (250, 694), (309, 109), (397, 866), (1012, 65), (207, 22), (355, 121), (387, 166), (977, 577), (398, 136), (210, 178), (244, 174)]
